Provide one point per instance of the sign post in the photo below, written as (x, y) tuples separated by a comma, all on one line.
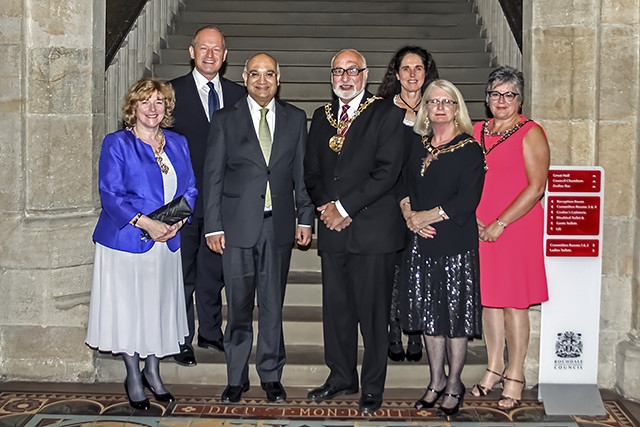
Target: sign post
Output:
[(570, 320)]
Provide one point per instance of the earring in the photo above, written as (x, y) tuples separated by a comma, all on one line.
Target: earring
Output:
[(426, 123), (455, 122)]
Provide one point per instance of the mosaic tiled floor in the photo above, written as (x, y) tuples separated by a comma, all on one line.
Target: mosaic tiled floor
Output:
[(82, 409)]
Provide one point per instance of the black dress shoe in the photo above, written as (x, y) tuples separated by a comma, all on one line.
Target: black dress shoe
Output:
[(205, 343), (186, 357), (160, 397), (139, 404), (369, 403), (327, 391), (275, 391), (233, 393)]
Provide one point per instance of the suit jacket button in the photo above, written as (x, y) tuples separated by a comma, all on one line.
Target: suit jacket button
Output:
[(336, 178)]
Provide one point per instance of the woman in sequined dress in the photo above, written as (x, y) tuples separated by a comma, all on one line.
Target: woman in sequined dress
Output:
[(439, 273), (409, 73), (510, 223)]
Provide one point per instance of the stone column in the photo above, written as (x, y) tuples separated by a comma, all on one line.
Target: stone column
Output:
[(52, 103), (582, 69)]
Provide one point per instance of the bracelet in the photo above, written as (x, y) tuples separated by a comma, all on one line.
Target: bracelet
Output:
[(406, 202), (500, 223), (442, 213), (135, 219)]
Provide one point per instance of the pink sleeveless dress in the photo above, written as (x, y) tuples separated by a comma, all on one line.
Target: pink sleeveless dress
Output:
[(512, 272)]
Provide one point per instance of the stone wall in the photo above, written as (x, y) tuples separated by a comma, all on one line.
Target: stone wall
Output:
[(51, 99), (582, 66)]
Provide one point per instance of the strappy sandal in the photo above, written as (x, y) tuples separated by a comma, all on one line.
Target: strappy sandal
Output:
[(479, 390), (423, 404), (508, 402)]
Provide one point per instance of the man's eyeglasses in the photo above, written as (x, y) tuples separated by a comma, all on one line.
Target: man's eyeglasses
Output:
[(446, 103), (494, 95), (353, 71), (256, 75)]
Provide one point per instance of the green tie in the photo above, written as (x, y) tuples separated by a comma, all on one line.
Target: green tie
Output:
[(264, 135)]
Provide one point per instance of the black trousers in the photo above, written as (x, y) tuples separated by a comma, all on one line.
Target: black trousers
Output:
[(260, 270), (202, 273), (356, 291)]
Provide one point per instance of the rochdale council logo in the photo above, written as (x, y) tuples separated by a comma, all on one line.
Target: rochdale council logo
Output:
[(569, 345)]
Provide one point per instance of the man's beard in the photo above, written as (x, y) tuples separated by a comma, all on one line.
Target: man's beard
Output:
[(347, 94)]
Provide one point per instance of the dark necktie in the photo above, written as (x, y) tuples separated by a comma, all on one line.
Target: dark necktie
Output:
[(214, 102), (343, 119)]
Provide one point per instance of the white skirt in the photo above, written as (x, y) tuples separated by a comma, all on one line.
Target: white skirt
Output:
[(137, 302)]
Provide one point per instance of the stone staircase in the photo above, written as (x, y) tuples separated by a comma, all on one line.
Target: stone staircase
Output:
[(303, 35)]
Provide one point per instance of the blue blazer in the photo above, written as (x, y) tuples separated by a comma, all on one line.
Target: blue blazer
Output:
[(130, 181)]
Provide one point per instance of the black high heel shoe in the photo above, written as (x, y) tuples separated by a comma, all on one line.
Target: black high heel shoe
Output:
[(414, 351), (450, 411), (162, 397), (395, 354), (140, 404), (423, 404)]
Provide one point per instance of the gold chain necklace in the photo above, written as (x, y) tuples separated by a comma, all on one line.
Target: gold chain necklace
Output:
[(435, 152), (164, 168), (336, 141)]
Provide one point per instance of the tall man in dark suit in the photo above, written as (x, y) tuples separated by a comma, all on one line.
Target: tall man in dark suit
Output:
[(352, 165), (253, 191), (198, 95)]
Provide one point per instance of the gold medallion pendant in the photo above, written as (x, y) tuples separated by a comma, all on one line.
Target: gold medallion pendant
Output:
[(335, 143)]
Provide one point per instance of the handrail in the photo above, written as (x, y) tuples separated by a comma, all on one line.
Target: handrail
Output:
[(513, 12), (146, 33), (502, 24), (121, 16)]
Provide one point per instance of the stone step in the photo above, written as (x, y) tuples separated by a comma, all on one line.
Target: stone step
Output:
[(323, 58), (354, 30), (334, 44), (451, 6), (305, 368), (458, 75), (416, 20), (303, 261)]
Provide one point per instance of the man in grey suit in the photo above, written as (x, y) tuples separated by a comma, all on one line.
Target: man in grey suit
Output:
[(198, 95), (254, 190)]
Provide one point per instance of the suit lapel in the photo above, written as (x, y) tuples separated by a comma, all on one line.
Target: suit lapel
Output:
[(355, 126), (244, 118), (280, 134)]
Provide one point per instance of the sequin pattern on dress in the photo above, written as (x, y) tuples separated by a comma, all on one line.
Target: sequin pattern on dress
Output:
[(441, 296)]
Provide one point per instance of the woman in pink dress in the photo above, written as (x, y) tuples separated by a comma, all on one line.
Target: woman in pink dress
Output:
[(510, 225)]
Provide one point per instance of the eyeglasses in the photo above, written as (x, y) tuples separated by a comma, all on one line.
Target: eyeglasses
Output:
[(256, 75), (353, 71), (494, 95), (446, 103)]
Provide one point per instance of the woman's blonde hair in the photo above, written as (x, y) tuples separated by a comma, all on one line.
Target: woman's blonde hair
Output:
[(143, 89), (422, 127)]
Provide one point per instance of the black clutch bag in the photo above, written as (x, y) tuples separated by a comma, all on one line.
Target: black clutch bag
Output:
[(171, 213)]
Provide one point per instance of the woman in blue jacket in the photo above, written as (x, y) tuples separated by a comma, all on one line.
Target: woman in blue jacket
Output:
[(137, 299)]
